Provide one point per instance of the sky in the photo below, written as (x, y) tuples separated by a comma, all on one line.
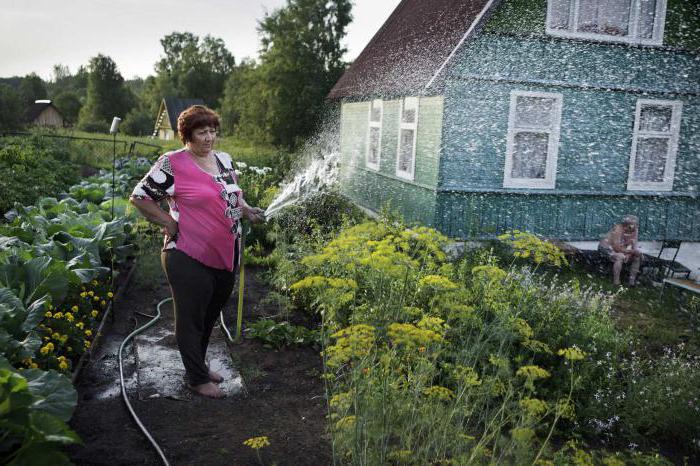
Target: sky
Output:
[(37, 34)]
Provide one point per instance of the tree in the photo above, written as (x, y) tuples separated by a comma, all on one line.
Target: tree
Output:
[(107, 96), (301, 59), (11, 110), (138, 122), (243, 106), (31, 89), (68, 103), (190, 68)]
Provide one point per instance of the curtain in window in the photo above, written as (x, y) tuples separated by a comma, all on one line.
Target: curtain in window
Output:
[(530, 148), (611, 17), (406, 151)]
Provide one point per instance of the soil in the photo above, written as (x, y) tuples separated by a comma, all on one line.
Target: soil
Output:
[(283, 400)]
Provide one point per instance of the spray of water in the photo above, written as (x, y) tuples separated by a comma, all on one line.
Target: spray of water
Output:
[(320, 157)]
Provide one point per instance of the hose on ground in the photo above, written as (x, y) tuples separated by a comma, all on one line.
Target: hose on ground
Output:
[(153, 320)]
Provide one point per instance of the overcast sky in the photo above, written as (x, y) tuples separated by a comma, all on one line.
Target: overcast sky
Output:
[(37, 34)]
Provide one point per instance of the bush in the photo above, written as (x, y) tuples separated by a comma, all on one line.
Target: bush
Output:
[(32, 168)]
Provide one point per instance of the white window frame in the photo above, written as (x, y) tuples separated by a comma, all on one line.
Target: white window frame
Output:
[(656, 39), (549, 181), (673, 136), (409, 174), (374, 124)]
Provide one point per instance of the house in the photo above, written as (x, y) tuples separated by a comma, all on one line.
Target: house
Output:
[(170, 109), (45, 114), (552, 116)]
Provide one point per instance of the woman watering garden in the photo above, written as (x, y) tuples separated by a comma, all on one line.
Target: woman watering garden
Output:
[(202, 247)]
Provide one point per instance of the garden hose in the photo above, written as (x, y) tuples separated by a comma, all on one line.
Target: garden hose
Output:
[(121, 379)]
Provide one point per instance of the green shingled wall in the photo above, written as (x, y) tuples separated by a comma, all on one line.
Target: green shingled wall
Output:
[(415, 200)]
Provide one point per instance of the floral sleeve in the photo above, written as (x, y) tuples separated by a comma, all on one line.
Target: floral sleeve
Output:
[(159, 182)]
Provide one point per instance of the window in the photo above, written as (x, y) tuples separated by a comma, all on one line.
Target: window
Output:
[(533, 140), (654, 145), (374, 134), (632, 21), (408, 125)]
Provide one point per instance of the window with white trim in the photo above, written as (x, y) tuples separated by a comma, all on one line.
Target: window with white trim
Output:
[(533, 140), (654, 145), (631, 21), (408, 127), (374, 134)]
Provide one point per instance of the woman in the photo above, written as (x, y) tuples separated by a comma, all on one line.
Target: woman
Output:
[(202, 235)]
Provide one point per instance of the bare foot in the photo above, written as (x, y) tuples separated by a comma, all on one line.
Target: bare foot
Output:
[(207, 389), (215, 376)]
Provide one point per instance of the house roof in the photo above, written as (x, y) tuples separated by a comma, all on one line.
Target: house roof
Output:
[(411, 47), (175, 106), (36, 108)]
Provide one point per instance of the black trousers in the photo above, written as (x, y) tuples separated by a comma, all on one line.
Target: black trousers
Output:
[(199, 293)]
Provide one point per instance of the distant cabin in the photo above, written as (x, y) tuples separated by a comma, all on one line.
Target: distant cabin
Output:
[(553, 116), (170, 109), (45, 114)]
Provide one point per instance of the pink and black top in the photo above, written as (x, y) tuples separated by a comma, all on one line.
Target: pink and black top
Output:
[(207, 207)]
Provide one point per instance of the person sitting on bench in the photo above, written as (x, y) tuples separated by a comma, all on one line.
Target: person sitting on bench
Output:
[(619, 245)]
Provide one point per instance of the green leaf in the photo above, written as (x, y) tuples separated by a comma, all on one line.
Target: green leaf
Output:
[(53, 392), (40, 454), (35, 313)]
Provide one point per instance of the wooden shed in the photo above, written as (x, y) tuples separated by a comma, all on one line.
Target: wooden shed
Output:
[(45, 114), (170, 109), (480, 116)]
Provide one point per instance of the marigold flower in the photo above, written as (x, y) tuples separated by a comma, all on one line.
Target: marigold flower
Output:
[(93, 283), (87, 344), (91, 293), (96, 298), (103, 303), (69, 317), (88, 333), (63, 365), (33, 365), (80, 325), (56, 336), (256, 443), (83, 294), (58, 315), (94, 313), (75, 308), (110, 295), (48, 314)]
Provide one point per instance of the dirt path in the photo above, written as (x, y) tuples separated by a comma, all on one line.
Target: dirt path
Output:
[(283, 400)]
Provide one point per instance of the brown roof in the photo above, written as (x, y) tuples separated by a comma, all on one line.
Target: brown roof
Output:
[(409, 48), (36, 108)]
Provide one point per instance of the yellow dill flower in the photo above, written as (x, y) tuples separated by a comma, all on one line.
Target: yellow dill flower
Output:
[(75, 309), (533, 372), (533, 406), (401, 456), (355, 341), (256, 443), (437, 282), (110, 295), (48, 314), (522, 434), (572, 354), (490, 272), (347, 422), (498, 361), (466, 375), (341, 401), (522, 327), (94, 313), (69, 316), (411, 337), (536, 346), (435, 324), (88, 333), (613, 461), (565, 409), (439, 393)]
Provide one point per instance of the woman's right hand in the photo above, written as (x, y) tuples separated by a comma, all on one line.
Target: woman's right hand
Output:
[(170, 229)]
